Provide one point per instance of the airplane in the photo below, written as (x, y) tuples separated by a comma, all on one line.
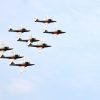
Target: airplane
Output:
[(57, 32), (5, 48), (16, 56), (22, 30), (24, 64), (43, 45), (47, 20), (31, 40), (12, 57)]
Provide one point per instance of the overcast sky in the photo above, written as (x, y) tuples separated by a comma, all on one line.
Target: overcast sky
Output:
[(70, 69)]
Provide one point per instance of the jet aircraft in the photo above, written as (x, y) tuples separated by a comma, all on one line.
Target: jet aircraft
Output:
[(22, 30), (24, 64), (45, 21), (57, 32), (30, 40), (5, 48), (16, 56), (43, 45), (12, 57)]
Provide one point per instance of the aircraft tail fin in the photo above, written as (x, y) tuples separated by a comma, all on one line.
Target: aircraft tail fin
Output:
[(36, 20), (12, 63), (10, 29), (19, 39), (2, 56), (45, 31)]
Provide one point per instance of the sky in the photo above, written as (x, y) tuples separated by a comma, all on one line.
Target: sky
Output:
[(70, 69)]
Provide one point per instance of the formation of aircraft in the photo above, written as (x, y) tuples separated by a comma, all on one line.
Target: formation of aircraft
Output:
[(57, 32), (30, 42), (22, 30), (13, 57)]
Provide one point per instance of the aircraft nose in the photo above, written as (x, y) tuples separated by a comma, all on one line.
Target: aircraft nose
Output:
[(21, 56), (32, 64), (10, 49), (49, 46)]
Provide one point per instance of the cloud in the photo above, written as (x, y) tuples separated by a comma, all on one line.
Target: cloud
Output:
[(21, 86)]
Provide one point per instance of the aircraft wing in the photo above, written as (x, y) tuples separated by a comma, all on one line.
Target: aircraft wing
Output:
[(24, 40), (50, 32)]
